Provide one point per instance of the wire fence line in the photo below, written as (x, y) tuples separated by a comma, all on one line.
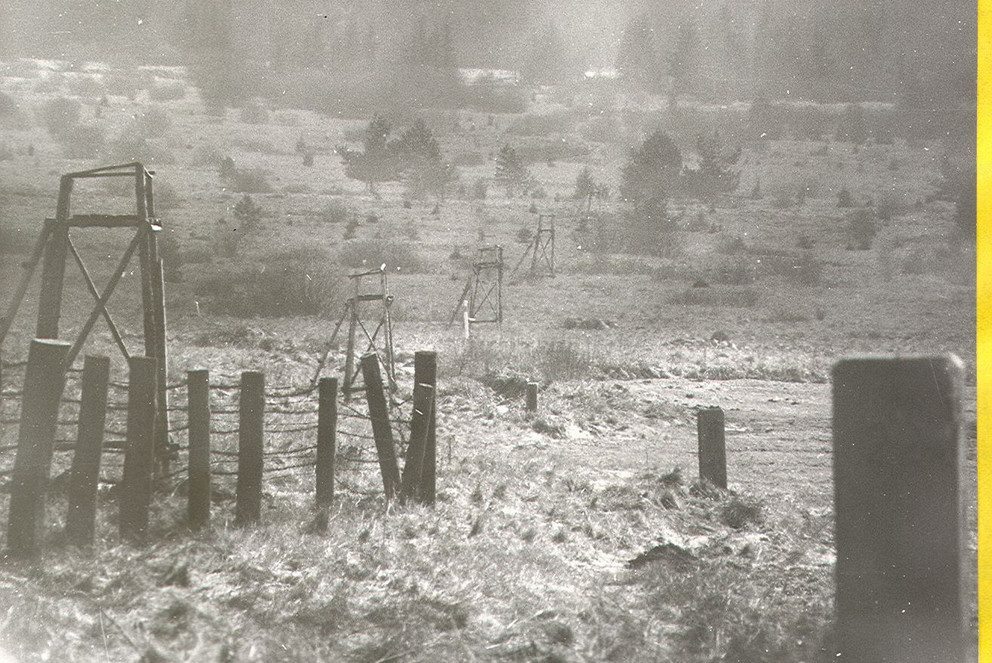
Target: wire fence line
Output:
[(290, 410)]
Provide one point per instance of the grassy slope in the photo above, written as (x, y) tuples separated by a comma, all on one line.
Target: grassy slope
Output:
[(525, 557)]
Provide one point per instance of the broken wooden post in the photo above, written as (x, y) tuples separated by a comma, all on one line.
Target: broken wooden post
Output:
[(327, 424), (43, 383), (198, 418), (712, 446), (423, 406), (425, 372), (139, 458), (898, 468), (248, 507), (85, 471), (531, 405), (381, 429)]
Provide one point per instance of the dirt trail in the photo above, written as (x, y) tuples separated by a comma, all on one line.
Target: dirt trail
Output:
[(778, 436)]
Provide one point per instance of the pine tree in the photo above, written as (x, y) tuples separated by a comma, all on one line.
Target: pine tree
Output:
[(511, 172), (247, 215), (637, 59)]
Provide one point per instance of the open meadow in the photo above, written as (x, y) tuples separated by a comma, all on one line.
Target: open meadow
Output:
[(576, 533)]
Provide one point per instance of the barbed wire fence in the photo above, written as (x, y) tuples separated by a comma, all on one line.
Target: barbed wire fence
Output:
[(289, 428)]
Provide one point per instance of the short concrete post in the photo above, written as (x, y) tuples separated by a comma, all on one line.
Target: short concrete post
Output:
[(531, 405), (85, 471), (425, 372), (251, 444), (327, 424), (139, 460), (381, 430), (43, 385), (898, 468), (198, 417), (712, 447)]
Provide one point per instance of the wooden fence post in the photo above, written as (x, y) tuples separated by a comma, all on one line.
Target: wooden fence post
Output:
[(251, 444), (898, 468), (420, 424), (198, 417), (85, 471), (327, 424), (43, 385), (381, 430), (531, 405), (425, 372), (139, 458), (712, 446)]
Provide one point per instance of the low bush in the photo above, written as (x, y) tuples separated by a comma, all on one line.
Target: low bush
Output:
[(244, 180), (153, 123), (61, 115), (369, 254), (135, 147), (718, 297), (172, 91), (861, 229), (541, 125), (85, 141), (298, 282), (335, 211), (254, 114)]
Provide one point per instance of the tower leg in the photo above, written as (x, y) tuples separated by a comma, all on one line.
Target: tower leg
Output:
[(53, 270)]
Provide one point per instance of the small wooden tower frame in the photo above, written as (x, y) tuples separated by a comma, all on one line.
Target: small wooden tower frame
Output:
[(52, 249), (368, 306), (483, 292), (543, 259), (542, 248)]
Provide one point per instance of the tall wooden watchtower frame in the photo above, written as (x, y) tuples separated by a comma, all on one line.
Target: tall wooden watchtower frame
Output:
[(483, 292), (52, 250), (542, 247)]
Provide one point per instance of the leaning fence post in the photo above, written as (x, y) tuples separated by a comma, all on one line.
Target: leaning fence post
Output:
[(425, 372), (381, 430), (531, 403), (420, 424), (43, 384), (139, 458), (327, 424), (898, 468), (248, 507), (198, 418), (85, 471), (712, 446)]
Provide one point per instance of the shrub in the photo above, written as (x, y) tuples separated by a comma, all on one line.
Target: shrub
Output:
[(335, 212), (254, 114), (167, 92), (248, 214), (479, 189), (61, 115), (861, 229), (85, 141), (135, 147), (716, 297), (369, 254), (250, 181), (808, 270), (541, 125), (8, 107), (166, 196), (290, 283), (844, 198), (154, 123)]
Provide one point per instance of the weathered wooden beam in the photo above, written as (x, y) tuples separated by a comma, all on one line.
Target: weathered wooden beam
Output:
[(898, 471), (96, 296)]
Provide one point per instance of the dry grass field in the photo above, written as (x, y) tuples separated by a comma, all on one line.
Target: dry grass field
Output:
[(578, 533)]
